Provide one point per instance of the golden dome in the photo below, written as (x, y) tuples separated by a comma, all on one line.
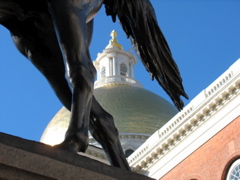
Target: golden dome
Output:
[(135, 110)]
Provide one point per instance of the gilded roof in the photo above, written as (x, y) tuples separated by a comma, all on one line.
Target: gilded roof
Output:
[(135, 110)]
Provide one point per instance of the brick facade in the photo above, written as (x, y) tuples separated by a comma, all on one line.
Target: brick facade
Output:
[(212, 160)]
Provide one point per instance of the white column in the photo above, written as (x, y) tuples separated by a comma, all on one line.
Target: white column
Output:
[(114, 66), (131, 69), (110, 66)]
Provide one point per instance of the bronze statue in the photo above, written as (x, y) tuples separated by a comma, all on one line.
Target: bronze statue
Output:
[(55, 36)]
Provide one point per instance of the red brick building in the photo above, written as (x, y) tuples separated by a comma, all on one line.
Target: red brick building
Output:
[(213, 159)]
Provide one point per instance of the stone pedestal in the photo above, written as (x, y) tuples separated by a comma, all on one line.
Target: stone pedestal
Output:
[(22, 159)]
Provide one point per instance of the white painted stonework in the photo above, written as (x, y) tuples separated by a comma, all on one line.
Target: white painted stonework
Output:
[(132, 141), (207, 114)]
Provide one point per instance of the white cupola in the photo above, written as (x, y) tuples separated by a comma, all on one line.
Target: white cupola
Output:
[(115, 65)]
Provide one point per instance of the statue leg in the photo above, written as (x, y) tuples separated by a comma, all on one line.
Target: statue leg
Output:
[(69, 20), (104, 131)]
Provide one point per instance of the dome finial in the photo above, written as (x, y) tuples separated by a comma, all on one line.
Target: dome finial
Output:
[(114, 36), (114, 41)]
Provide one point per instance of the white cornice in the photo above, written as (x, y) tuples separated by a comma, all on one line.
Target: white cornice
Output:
[(208, 113), (113, 80), (113, 52)]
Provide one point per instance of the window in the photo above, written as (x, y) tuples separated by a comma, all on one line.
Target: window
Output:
[(123, 70), (234, 171), (103, 72), (128, 152)]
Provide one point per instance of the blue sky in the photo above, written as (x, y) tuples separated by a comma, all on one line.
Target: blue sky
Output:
[(204, 37)]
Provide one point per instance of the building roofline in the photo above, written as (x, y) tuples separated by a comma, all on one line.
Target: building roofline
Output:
[(202, 117)]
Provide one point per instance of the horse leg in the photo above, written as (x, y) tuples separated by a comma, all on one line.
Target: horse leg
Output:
[(104, 131), (69, 18)]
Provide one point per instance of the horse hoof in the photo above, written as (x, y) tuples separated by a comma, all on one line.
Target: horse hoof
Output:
[(71, 146), (68, 146)]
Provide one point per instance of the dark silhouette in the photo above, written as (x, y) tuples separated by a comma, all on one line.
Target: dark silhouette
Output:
[(55, 36)]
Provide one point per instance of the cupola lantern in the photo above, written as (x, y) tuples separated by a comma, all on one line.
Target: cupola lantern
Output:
[(115, 65)]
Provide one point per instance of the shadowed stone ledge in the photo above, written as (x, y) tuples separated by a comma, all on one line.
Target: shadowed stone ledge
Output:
[(28, 160)]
